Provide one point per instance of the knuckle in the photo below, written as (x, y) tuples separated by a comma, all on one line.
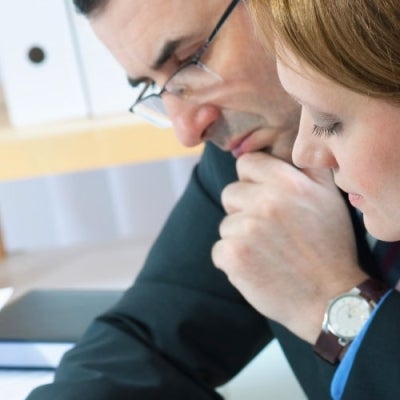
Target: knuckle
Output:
[(226, 196), (245, 164), (239, 253), (230, 255), (217, 254), (243, 160), (294, 184), (251, 225), (274, 209), (223, 227)]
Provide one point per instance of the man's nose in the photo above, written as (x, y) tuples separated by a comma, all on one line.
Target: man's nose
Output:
[(310, 151), (190, 120)]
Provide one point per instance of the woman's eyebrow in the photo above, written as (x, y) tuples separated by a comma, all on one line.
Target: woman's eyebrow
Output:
[(316, 109)]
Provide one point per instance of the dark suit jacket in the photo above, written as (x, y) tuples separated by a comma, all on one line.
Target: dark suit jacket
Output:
[(182, 329)]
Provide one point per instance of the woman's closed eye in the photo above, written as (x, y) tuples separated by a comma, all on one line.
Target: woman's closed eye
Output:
[(326, 131)]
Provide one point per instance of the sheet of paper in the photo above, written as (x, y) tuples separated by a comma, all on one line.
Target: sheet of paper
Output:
[(5, 294), (17, 384)]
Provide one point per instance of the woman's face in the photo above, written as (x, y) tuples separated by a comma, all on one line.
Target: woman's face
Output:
[(355, 136)]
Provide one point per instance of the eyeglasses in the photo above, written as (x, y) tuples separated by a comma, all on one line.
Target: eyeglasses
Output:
[(190, 79)]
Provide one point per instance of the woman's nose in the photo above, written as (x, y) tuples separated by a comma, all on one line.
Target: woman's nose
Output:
[(190, 121), (310, 151)]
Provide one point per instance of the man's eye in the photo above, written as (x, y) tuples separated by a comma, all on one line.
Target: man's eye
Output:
[(140, 83), (189, 59), (149, 88), (133, 83), (145, 88)]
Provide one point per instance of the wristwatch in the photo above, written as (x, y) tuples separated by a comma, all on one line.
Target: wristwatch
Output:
[(344, 318)]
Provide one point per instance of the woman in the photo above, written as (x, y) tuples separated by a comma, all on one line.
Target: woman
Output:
[(341, 61)]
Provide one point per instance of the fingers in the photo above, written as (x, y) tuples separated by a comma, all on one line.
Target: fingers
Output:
[(243, 195), (260, 167), (228, 253), (240, 224), (264, 180), (236, 258), (256, 167), (321, 176)]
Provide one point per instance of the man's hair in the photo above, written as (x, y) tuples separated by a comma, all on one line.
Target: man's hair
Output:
[(89, 7)]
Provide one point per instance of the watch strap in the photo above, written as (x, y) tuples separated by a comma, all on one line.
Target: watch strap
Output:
[(328, 347), (372, 290), (331, 347)]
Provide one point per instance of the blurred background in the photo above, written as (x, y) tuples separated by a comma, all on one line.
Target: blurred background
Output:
[(112, 203), (53, 72)]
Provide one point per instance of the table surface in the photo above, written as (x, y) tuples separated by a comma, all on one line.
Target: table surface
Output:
[(114, 265)]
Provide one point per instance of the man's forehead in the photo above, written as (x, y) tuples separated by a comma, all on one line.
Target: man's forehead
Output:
[(141, 29), (174, 17)]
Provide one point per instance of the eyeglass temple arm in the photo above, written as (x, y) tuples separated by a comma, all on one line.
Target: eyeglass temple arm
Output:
[(225, 15)]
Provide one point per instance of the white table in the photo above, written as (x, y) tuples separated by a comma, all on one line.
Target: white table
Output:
[(17, 384)]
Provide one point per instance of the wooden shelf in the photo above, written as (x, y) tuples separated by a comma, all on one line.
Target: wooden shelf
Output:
[(81, 145)]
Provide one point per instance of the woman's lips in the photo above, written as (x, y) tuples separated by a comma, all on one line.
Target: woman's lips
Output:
[(355, 199)]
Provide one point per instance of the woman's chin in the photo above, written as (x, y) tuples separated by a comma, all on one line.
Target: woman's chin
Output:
[(382, 231)]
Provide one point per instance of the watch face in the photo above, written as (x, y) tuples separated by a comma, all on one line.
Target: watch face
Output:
[(347, 314)]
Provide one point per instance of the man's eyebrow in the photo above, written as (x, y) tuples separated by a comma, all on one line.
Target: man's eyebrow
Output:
[(166, 53)]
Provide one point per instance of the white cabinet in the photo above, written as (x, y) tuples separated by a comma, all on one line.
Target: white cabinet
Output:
[(40, 74), (54, 68)]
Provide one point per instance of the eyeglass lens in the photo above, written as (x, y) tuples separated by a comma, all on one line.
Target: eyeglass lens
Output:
[(190, 82)]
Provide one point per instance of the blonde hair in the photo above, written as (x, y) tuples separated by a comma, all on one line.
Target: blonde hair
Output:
[(355, 43)]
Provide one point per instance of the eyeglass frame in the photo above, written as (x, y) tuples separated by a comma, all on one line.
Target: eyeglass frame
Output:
[(195, 60)]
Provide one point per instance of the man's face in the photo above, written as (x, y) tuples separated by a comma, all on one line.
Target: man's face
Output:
[(248, 112)]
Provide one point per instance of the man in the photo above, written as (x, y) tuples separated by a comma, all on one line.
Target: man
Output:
[(182, 329)]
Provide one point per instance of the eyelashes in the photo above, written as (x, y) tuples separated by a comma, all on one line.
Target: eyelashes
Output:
[(326, 131)]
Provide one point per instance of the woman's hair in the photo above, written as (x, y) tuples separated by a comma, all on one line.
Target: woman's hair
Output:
[(355, 43)]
